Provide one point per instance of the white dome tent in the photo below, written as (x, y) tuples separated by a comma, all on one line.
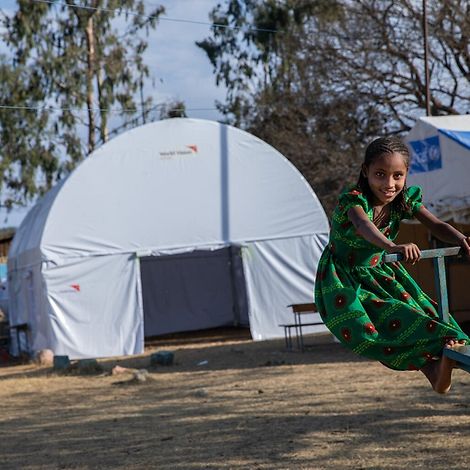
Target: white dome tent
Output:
[(177, 225)]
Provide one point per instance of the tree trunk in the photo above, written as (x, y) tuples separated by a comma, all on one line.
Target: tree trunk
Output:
[(104, 131), (90, 38)]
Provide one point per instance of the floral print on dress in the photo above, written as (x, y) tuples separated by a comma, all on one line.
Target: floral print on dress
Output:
[(394, 324), (346, 334), (431, 326), (374, 308), (340, 301), (369, 328)]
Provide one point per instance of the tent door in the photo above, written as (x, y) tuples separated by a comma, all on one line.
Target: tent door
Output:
[(193, 291)]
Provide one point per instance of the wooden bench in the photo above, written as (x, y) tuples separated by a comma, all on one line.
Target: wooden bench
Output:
[(298, 310)]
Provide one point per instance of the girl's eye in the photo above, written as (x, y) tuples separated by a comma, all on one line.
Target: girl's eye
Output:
[(379, 174), (397, 177)]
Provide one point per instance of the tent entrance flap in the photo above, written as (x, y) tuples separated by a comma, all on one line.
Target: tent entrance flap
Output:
[(192, 291)]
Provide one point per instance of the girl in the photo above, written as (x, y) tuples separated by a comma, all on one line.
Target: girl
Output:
[(377, 309)]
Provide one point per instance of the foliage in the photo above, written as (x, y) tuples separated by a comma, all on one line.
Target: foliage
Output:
[(175, 109), (70, 65), (335, 74)]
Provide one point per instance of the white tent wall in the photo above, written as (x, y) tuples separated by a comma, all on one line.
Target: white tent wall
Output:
[(25, 247), (279, 273), (27, 302), (95, 294), (445, 182), (27, 295), (165, 187)]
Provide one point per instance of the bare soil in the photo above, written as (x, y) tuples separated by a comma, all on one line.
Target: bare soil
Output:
[(234, 404)]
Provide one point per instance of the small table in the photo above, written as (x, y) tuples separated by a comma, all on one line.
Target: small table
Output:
[(298, 310)]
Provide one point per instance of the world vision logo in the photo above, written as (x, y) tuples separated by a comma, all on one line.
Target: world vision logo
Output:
[(69, 289), (188, 150)]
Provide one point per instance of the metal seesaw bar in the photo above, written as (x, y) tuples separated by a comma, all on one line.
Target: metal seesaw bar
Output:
[(461, 354)]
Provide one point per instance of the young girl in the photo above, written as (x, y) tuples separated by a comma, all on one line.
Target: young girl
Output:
[(374, 308)]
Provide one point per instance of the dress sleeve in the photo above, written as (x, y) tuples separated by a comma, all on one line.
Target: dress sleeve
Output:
[(350, 198), (414, 199)]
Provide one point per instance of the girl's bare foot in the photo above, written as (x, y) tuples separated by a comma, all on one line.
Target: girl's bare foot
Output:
[(439, 373)]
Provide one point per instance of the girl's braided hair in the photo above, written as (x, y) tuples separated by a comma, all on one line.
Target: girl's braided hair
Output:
[(377, 148)]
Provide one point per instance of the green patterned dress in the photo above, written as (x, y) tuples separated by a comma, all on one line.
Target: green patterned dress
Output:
[(377, 309)]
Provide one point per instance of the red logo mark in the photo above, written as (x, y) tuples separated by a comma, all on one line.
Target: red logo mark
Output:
[(192, 147), (76, 287)]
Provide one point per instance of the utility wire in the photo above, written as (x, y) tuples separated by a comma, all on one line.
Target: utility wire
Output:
[(108, 110), (348, 37), (159, 18)]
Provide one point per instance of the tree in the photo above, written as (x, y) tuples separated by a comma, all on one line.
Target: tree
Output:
[(27, 146), (319, 79), (377, 49), (174, 109), (68, 59), (279, 91)]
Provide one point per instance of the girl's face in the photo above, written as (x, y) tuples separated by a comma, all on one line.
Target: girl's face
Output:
[(386, 176)]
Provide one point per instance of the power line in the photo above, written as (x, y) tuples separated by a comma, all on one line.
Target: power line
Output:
[(108, 110), (159, 18), (347, 37)]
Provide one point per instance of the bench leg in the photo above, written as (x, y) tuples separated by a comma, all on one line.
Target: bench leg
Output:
[(289, 335), (298, 332), (297, 336), (285, 337)]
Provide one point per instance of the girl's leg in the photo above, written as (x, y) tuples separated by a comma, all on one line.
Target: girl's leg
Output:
[(439, 373)]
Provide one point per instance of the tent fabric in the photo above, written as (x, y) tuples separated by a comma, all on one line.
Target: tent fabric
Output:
[(440, 164), (92, 307), (275, 263), (165, 188), (186, 180), (194, 290), (462, 137)]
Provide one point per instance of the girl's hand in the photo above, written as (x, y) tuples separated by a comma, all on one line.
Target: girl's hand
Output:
[(465, 244), (410, 252)]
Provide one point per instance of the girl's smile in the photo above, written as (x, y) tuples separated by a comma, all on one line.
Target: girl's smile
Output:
[(386, 176)]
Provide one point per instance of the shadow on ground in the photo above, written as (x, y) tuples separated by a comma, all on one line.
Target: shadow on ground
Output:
[(230, 354)]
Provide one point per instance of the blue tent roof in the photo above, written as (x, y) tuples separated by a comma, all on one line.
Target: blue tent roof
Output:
[(461, 137)]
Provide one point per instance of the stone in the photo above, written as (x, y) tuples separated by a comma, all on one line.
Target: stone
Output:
[(61, 362), (201, 393), (89, 366), (163, 358), (141, 375), (122, 370), (45, 357)]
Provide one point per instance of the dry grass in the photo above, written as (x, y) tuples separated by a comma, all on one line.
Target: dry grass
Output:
[(253, 405)]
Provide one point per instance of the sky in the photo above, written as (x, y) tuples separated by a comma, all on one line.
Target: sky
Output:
[(181, 70)]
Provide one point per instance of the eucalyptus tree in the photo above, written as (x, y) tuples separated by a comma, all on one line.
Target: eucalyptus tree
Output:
[(27, 147), (79, 70)]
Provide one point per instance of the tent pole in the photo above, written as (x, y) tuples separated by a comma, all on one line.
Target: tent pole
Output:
[(234, 251)]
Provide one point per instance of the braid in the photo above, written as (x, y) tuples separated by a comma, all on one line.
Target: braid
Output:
[(377, 148)]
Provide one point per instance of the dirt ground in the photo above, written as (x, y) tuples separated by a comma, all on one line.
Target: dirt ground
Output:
[(234, 404)]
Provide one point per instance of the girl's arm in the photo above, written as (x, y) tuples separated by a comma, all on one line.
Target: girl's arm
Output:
[(372, 234), (442, 230)]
